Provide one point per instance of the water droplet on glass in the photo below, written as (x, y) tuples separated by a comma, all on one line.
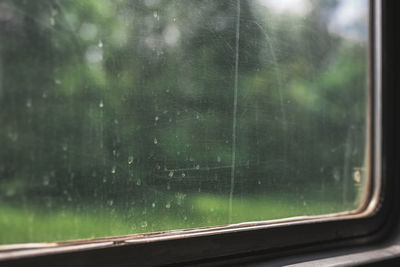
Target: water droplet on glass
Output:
[(46, 180), (113, 169), (10, 192), (336, 175), (183, 174), (171, 173), (101, 104), (174, 19), (259, 182), (130, 160), (168, 205), (49, 203), (138, 182), (28, 103), (13, 136), (153, 205), (197, 167), (155, 141), (100, 44), (156, 118), (155, 14)]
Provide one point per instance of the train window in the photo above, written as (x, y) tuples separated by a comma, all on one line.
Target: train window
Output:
[(126, 117)]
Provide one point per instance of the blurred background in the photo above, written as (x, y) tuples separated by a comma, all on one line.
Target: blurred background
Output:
[(119, 117)]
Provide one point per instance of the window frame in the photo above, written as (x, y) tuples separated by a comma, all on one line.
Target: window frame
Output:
[(271, 239)]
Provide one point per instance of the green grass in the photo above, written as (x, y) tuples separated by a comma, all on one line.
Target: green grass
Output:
[(266, 208), (37, 224)]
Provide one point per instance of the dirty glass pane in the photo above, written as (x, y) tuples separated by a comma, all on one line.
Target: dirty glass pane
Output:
[(130, 116)]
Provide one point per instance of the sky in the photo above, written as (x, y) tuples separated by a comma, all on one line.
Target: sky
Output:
[(349, 20)]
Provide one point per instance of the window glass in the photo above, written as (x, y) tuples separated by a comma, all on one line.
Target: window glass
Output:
[(122, 117)]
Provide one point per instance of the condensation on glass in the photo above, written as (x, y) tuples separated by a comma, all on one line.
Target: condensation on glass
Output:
[(122, 117)]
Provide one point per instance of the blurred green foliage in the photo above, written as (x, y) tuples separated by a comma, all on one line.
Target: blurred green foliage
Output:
[(124, 105)]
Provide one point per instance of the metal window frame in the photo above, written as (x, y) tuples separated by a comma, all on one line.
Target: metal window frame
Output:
[(271, 239)]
